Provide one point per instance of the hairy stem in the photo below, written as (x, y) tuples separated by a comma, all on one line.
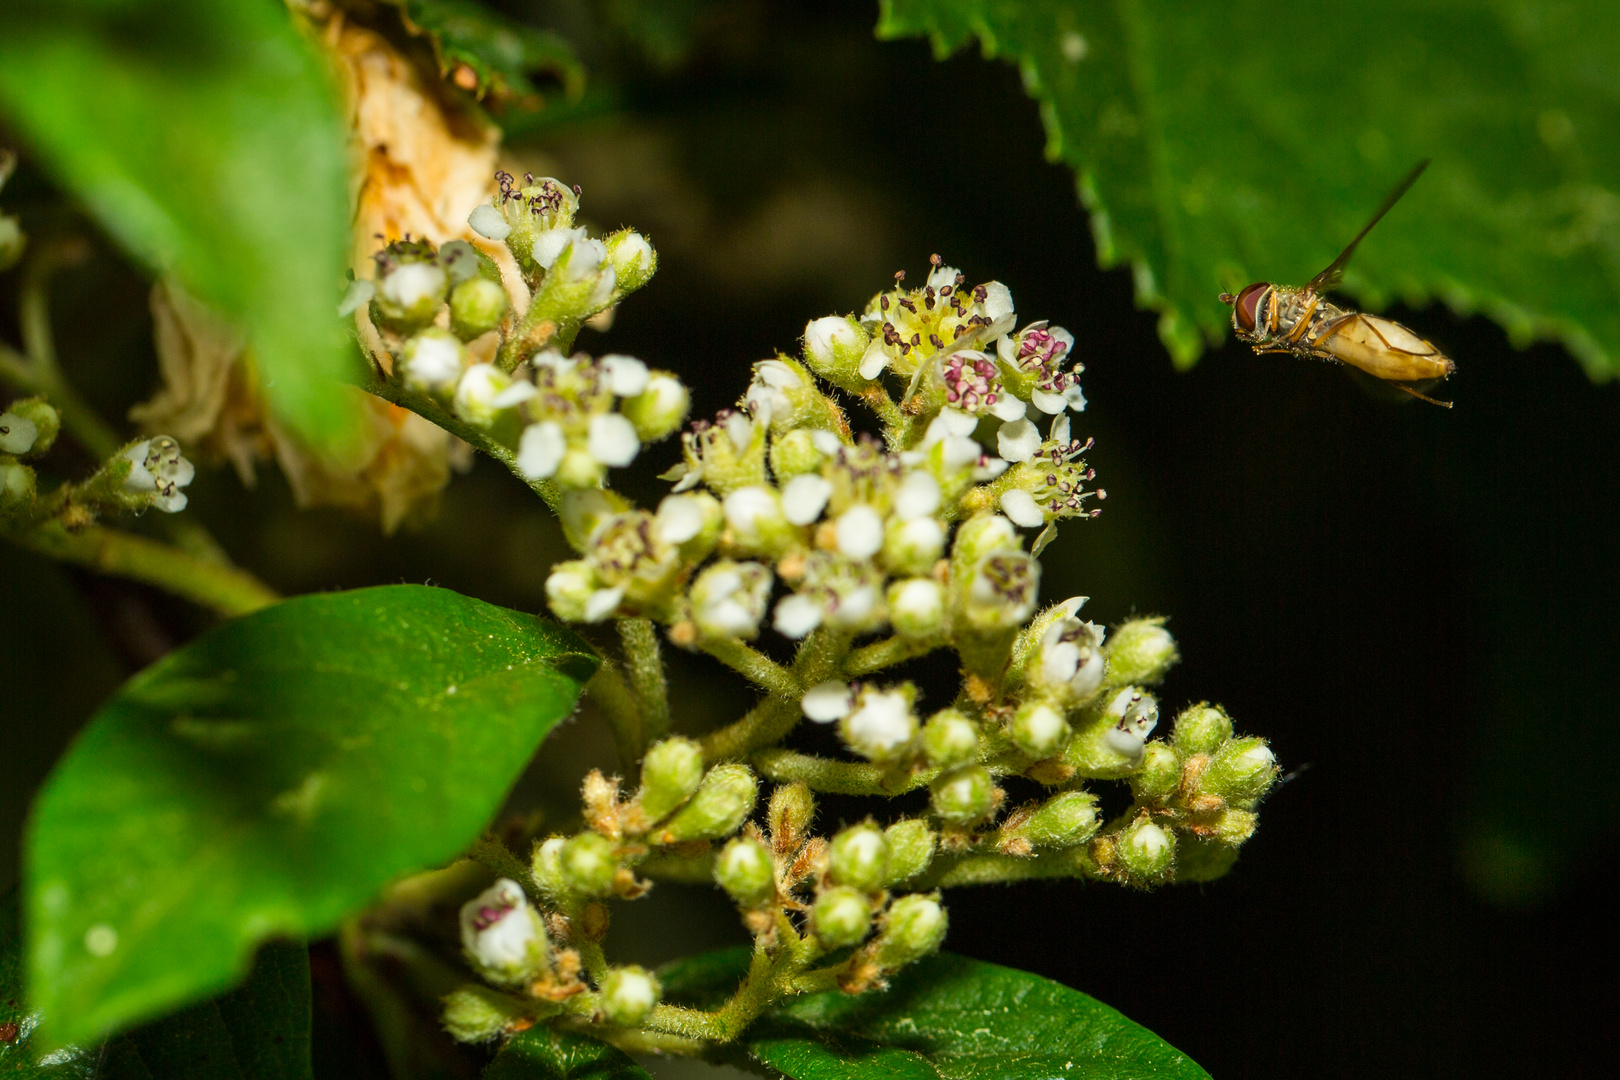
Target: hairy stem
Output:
[(645, 662), (837, 777), (78, 419), (498, 859), (988, 868), (766, 723), (754, 666), (887, 653), (612, 694)]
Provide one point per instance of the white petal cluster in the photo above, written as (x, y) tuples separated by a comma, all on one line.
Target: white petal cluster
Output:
[(1070, 663), (158, 471), (1137, 715), (502, 933)]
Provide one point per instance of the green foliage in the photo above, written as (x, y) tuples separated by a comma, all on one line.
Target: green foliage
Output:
[(205, 136), (259, 1031), (543, 1053), (268, 779), (500, 54), (1219, 144), (944, 1016)]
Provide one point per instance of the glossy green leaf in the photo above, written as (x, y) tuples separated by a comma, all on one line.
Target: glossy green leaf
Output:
[(1219, 144), (259, 1031), (500, 54), (206, 137), (541, 1053), (946, 1016), (268, 779)]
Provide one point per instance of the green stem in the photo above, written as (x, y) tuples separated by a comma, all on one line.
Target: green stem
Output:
[(78, 418), (766, 723), (754, 666), (228, 590), (837, 777), (887, 653), (645, 662), (612, 694), (498, 859), (684, 870), (988, 868)]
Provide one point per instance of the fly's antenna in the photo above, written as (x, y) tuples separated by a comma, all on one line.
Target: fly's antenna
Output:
[(1422, 397)]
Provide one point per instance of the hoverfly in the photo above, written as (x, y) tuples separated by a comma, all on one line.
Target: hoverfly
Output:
[(1283, 319)]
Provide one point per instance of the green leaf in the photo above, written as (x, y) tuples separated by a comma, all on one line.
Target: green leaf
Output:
[(259, 1031), (206, 137), (499, 54), (542, 1053), (1220, 144), (946, 1016), (268, 779)]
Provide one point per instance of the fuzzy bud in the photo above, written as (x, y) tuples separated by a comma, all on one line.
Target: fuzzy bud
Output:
[(433, 361), (409, 296), (39, 412), (833, 347), (17, 486), (911, 849), (1234, 826), (794, 453), (722, 803), (841, 917), (1038, 729), (950, 739), (793, 807), (475, 1013), (634, 261), (912, 546), (1243, 770), (983, 535), (1064, 820), (914, 927), (477, 306), (964, 796), (1159, 774), (859, 858), (1201, 729), (881, 726), (744, 870), (1148, 850), (756, 521), (588, 864), (729, 599), (670, 773), (917, 607), (1140, 652), (629, 995), (502, 934), (659, 409)]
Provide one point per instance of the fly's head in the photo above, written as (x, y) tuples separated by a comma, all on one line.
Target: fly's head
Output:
[(1246, 309)]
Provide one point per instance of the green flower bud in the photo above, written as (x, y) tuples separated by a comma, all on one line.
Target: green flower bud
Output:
[(1201, 729), (913, 546), (659, 409), (745, 871), (1235, 826), (477, 306), (914, 927), (634, 260), (629, 995), (1243, 769), (985, 534), (1148, 850), (1038, 729), (670, 773), (794, 453), (859, 858), (722, 803), (16, 486), (950, 739), (841, 917), (409, 295), (38, 412), (1159, 774), (792, 809), (911, 848), (502, 934), (12, 242), (475, 1013), (964, 796), (1141, 652), (1198, 859), (833, 347), (588, 864), (569, 589), (546, 866), (1064, 820), (433, 361)]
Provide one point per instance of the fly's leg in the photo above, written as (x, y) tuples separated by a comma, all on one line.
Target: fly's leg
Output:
[(1304, 322), (1422, 397)]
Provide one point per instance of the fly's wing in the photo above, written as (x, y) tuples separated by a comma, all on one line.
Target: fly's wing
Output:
[(1328, 279)]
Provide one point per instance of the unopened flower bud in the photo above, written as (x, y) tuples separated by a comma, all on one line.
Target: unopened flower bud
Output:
[(1159, 774), (881, 726), (758, 526), (1140, 652), (588, 864), (477, 306), (1201, 729), (964, 796), (546, 866), (911, 849), (691, 522), (1148, 850), (410, 295), (912, 547), (859, 857), (482, 393), (670, 773), (1200, 859), (37, 411), (841, 917), (476, 1013), (570, 588), (1064, 820), (950, 739), (914, 927), (17, 433), (729, 599), (1038, 729), (659, 409), (793, 454), (983, 535), (634, 261), (793, 807), (433, 361), (1243, 769), (917, 607), (1234, 826), (745, 871), (723, 801), (833, 347), (502, 934), (17, 486), (629, 995)]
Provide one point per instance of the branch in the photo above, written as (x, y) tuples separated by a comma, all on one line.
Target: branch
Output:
[(837, 777), (645, 662), (887, 653), (987, 868), (608, 689), (766, 723), (754, 666)]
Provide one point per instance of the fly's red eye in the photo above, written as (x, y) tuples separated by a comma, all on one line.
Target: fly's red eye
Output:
[(1247, 301)]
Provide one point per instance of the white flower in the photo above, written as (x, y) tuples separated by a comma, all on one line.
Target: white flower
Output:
[(433, 361), (679, 518), (1020, 506), (602, 603), (728, 599), (740, 430), (828, 701), (157, 467), (17, 434), (989, 468), (917, 496), (860, 532), (489, 222), (1076, 400), (882, 724), (1050, 404), (914, 544), (414, 283), (475, 397), (1008, 407), (941, 276), (500, 931), (1018, 441), (1071, 656), (797, 615), (549, 245), (825, 441), (917, 606), (805, 497), (613, 440), (853, 607), (626, 376), (770, 394), (520, 391), (998, 307), (1138, 715), (541, 449), (875, 359)]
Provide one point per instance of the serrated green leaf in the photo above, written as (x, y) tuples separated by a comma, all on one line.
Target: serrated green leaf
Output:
[(259, 1031), (500, 54), (268, 779), (542, 1053), (946, 1016), (1220, 144), (205, 136)]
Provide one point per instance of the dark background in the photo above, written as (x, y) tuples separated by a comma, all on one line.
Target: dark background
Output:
[(1414, 605)]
